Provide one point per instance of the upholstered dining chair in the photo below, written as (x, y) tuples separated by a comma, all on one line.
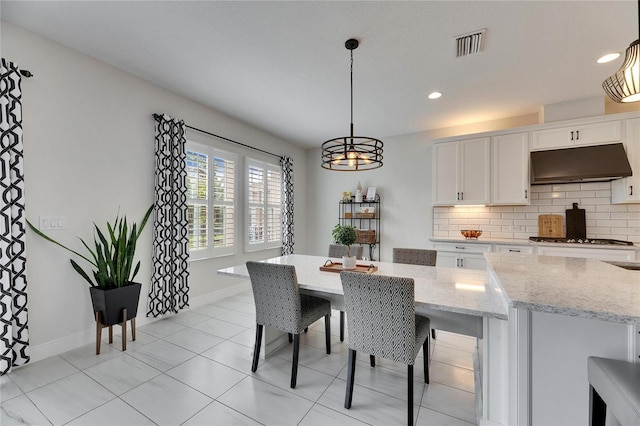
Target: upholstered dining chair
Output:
[(339, 250), (382, 322), (414, 256), (280, 305)]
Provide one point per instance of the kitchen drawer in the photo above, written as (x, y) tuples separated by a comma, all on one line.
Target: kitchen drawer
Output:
[(514, 249), (591, 253), (462, 247)]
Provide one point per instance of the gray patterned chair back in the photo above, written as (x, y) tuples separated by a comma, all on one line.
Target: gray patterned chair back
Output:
[(415, 256), (338, 250), (276, 295), (381, 315)]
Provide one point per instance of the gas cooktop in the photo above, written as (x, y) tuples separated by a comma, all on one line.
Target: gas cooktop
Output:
[(598, 241)]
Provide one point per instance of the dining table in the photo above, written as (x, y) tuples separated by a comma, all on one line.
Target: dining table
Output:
[(454, 299)]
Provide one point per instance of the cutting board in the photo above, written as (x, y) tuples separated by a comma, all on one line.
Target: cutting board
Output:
[(576, 223), (550, 225)]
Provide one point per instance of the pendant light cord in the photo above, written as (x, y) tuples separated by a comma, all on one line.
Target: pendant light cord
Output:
[(352, 94)]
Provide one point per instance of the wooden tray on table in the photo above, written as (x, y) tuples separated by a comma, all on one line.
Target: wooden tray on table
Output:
[(330, 266)]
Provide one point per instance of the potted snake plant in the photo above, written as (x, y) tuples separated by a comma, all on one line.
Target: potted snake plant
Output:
[(345, 235), (111, 257)]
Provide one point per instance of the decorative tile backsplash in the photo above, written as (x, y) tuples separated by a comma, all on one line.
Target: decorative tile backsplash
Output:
[(604, 220)]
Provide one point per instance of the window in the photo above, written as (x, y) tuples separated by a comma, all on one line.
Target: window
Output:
[(264, 205), (211, 201)]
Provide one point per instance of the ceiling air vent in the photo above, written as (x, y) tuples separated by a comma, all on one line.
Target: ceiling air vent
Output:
[(470, 43)]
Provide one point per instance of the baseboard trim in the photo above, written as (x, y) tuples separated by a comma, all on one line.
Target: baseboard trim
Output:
[(74, 341)]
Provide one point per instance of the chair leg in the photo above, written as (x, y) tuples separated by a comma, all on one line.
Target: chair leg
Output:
[(351, 373), (410, 397), (290, 337), (425, 350), (327, 332), (433, 333), (256, 348), (597, 408), (306, 330), (372, 360), (342, 326), (294, 364)]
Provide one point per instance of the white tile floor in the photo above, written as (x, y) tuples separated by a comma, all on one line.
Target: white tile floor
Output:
[(194, 369)]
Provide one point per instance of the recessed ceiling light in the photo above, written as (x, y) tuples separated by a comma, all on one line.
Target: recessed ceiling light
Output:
[(434, 95), (608, 58)]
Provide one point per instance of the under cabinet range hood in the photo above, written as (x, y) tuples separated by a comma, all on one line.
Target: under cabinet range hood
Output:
[(581, 164)]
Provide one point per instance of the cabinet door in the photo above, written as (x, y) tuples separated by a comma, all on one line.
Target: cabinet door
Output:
[(445, 173), (627, 190), (585, 134), (474, 171), (447, 260), (473, 261), (510, 166)]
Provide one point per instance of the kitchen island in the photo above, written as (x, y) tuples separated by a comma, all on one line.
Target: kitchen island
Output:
[(561, 310)]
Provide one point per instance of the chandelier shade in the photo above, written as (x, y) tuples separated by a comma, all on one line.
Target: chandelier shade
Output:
[(352, 153), (624, 85)]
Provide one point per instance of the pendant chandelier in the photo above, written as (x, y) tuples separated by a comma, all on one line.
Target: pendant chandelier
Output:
[(624, 85), (352, 153)]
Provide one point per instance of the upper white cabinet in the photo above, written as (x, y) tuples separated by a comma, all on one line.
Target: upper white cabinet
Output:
[(510, 169), (576, 135), (461, 172), (627, 190)]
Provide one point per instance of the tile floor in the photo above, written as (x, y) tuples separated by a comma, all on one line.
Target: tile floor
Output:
[(194, 369)]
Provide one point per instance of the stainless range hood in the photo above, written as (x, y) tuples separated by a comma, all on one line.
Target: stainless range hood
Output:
[(581, 164)]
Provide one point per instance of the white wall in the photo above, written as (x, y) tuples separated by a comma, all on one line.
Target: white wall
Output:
[(404, 185), (89, 151)]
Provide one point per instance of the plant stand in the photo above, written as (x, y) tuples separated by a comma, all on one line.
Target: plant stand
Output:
[(100, 325)]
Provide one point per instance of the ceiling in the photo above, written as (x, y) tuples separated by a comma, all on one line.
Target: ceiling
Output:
[(282, 66)]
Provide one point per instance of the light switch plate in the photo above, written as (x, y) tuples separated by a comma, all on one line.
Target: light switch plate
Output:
[(49, 223)]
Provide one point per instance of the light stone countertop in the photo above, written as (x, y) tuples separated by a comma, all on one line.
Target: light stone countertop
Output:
[(521, 242), (463, 291), (571, 286)]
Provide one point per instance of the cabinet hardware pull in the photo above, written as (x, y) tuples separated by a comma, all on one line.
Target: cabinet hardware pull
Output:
[(526, 194), (572, 135), (462, 195), (577, 134), (458, 262), (460, 248), (514, 250), (630, 189), (462, 263)]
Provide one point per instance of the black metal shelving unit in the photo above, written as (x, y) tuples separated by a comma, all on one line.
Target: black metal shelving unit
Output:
[(352, 213)]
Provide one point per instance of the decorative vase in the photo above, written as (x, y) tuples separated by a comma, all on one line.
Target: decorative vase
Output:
[(111, 302), (348, 262)]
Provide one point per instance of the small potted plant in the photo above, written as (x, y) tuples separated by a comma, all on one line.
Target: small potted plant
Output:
[(345, 235), (112, 258)]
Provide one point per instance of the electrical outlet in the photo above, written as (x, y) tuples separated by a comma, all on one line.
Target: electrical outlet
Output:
[(49, 223)]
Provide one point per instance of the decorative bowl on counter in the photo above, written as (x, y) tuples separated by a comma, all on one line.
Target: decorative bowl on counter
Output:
[(471, 234)]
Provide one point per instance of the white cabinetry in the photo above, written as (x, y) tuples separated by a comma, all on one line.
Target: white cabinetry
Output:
[(508, 248), (510, 169), (576, 135), (461, 255), (591, 253), (461, 172), (627, 190)]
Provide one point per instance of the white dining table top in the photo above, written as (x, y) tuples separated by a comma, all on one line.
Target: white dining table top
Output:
[(458, 290)]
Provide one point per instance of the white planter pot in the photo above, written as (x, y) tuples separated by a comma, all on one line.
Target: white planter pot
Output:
[(348, 262)]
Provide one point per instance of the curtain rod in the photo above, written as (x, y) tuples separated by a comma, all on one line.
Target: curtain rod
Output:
[(232, 141)]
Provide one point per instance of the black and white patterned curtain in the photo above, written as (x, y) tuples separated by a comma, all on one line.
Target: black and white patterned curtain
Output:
[(14, 332), (169, 291), (287, 205)]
